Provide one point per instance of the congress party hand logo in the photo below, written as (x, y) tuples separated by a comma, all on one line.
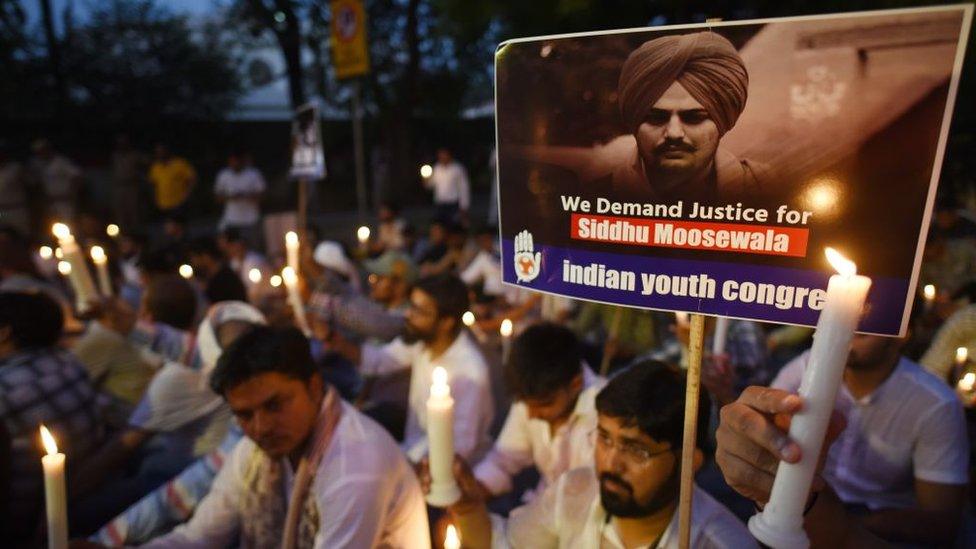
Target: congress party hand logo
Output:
[(527, 264)]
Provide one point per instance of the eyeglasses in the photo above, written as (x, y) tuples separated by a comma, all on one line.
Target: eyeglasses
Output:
[(634, 453)]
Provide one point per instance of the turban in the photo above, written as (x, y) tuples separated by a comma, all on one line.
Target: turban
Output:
[(705, 63), (207, 343)]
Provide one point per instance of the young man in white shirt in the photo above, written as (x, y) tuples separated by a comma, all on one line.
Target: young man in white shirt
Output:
[(629, 497), (434, 337), (549, 424), (312, 472), (240, 188), (902, 462), (452, 192)]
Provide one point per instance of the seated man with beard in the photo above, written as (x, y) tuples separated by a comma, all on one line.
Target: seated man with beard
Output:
[(629, 498)]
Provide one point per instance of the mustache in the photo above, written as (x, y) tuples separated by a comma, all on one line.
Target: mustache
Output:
[(670, 145), (612, 478)]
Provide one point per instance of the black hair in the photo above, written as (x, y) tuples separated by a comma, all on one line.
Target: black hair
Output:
[(35, 319), (232, 234), (160, 260), (448, 292), (205, 246), (263, 350), (650, 395), (544, 358), (391, 205), (171, 300)]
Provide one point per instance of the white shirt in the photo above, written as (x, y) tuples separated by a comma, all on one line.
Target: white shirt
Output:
[(240, 209), (367, 495), (569, 515), (57, 177), (450, 184), (485, 268), (524, 442), (467, 374), (911, 427)]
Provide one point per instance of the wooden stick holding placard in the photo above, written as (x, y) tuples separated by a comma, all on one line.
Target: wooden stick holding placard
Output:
[(696, 343), (618, 315)]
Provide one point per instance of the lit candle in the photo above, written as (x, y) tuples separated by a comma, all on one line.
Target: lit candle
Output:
[(275, 281), (64, 268), (721, 335), (291, 248), (962, 355), (55, 497), (781, 522), (468, 319), (45, 252), (362, 234), (451, 539), (186, 271), (81, 280), (58, 253), (295, 299), (426, 171), (928, 292), (112, 230), (101, 267), (967, 382), (506, 332), (254, 275), (440, 441)]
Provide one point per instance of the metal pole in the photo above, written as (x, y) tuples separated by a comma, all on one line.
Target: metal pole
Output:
[(357, 137)]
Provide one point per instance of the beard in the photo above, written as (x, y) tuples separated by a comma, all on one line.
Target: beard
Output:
[(621, 506)]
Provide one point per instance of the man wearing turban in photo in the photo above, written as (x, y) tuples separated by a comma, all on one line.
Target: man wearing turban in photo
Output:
[(678, 95)]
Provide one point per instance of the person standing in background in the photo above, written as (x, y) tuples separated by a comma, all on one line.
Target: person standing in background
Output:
[(128, 171), (452, 192), (59, 179), (239, 187), (173, 179)]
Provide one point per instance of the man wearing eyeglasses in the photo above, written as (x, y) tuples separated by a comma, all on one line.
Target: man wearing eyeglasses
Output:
[(629, 497)]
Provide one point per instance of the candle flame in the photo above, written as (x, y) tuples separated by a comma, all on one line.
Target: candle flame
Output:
[(275, 281), (468, 318), (254, 275), (58, 253), (843, 265), (291, 238), (962, 355), (439, 376), (506, 328), (47, 439), (112, 230), (362, 233), (426, 171), (60, 230), (451, 539), (64, 268), (289, 277), (45, 252), (98, 254), (968, 381), (929, 291), (186, 271)]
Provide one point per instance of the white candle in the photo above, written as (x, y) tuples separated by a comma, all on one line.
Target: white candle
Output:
[(440, 441), (426, 171), (295, 299), (55, 496), (962, 355), (45, 252), (275, 281), (469, 319), (112, 230), (506, 332), (780, 525), (81, 280), (928, 292), (451, 539), (254, 275), (186, 271), (291, 248), (101, 267), (721, 335)]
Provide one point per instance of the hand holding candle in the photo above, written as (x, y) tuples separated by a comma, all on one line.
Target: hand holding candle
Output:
[(81, 280), (440, 441), (780, 525), (55, 496), (101, 266)]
